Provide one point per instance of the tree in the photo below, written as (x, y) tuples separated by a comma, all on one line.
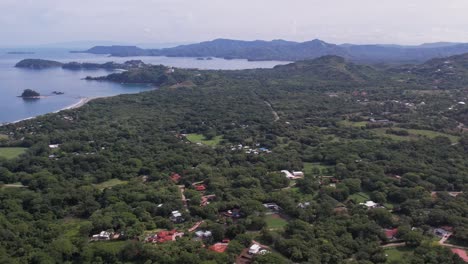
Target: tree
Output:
[(413, 238)]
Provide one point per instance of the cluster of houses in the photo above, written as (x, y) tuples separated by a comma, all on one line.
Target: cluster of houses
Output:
[(293, 175), (250, 150)]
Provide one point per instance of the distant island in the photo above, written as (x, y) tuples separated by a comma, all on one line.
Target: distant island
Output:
[(44, 64), (30, 94), (20, 52), (38, 64), (283, 50)]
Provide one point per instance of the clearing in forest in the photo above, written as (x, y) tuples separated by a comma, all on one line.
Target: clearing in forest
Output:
[(275, 221), (199, 138), (110, 183), (11, 153)]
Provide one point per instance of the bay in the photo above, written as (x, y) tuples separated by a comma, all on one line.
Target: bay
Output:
[(14, 80)]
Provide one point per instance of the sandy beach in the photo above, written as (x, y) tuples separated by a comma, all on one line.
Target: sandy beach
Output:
[(83, 101)]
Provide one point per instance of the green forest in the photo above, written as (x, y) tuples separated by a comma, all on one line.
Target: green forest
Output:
[(206, 149)]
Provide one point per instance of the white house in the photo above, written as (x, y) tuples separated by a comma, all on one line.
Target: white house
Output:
[(298, 174), (254, 249), (288, 174), (370, 204), (104, 235)]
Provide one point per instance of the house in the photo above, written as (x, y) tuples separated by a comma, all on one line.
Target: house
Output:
[(254, 249), (200, 187), (294, 175), (234, 213), (390, 234), (303, 205), (441, 232), (54, 146), (370, 204), (205, 200), (219, 247), (298, 174), (288, 174), (164, 236), (272, 206), (176, 217), (461, 253), (203, 234), (175, 177), (104, 235), (257, 248)]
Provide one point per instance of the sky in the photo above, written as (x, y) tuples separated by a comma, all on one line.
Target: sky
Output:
[(33, 22)]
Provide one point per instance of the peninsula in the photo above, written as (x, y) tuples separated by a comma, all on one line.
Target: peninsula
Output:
[(44, 64)]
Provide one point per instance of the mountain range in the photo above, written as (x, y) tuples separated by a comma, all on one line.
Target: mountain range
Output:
[(293, 51)]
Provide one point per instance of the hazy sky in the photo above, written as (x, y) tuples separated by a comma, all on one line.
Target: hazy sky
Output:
[(158, 21)]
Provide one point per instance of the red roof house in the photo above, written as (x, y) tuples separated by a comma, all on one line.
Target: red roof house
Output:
[(461, 253), (175, 177), (200, 187), (219, 247), (391, 233), (164, 236)]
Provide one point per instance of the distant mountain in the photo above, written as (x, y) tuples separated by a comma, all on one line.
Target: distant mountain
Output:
[(294, 51), (439, 44), (118, 51)]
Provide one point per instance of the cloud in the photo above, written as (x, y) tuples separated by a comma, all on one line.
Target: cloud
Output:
[(359, 21)]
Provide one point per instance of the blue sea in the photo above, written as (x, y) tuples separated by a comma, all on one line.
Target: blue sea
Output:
[(14, 80)]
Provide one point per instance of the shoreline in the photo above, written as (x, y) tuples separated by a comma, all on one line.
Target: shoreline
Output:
[(83, 101), (80, 103)]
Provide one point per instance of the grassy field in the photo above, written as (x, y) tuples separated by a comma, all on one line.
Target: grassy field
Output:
[(72, 227), (414, 134), (113, 247), (275, 221), (3, 137), (110, 183), (352, 124), (199, 138), (359, 197), (397, 253), (308, 166), (11, 153)]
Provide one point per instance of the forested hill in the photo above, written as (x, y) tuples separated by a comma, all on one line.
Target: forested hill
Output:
[(443, 73), (383, 156), (294, 51)]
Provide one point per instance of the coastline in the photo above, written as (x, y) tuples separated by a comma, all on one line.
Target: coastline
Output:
[(83, 101), (80, 103)]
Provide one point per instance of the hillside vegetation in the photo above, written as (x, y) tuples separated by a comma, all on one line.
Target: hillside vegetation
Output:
[(114, 165)]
